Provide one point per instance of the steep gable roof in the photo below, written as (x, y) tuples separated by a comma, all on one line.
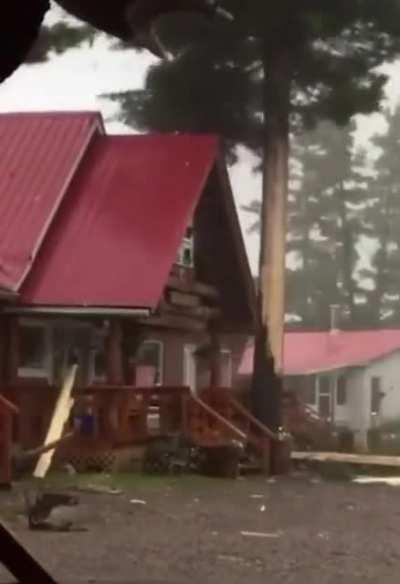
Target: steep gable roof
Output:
[(39, 155), (90, 220), (116, 237)]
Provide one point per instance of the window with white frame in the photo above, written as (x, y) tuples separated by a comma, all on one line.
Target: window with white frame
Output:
[(35, 349), (98, 372), (185, 256), (150, 363)]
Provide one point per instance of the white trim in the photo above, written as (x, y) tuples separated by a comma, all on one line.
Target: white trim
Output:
[(189, 357), (187, 244), (230, 371), (77, 311), (330, 393)]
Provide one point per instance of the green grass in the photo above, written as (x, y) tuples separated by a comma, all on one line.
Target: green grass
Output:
[(126, 482)]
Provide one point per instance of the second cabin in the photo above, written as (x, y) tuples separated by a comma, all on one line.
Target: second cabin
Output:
[(122, 254)]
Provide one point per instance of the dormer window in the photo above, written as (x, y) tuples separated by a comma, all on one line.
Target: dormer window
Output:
[(186, 251)]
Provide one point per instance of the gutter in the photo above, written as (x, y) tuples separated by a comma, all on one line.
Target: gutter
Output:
[(77, 311)]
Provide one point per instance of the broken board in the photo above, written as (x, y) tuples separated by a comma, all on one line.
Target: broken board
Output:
[(60, 416), (360, 459)]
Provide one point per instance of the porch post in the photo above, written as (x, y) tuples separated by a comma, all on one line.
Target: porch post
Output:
[(215, 365), (115, 369), (5, 447)]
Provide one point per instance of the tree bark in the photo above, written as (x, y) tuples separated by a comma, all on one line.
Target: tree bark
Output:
[(268, 356), (347, 253), (380, 279)]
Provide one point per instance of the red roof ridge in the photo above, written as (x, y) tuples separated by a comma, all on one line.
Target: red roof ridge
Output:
[(42, 113)]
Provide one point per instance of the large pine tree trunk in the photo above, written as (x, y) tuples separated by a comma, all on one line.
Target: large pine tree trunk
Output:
[(346, 237), (268, 356)]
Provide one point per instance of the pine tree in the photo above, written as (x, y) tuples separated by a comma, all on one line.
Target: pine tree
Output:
[(327, 206), (384, 219)]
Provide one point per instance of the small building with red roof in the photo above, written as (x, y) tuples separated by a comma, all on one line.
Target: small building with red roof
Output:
[(120, 253), (351, 378)]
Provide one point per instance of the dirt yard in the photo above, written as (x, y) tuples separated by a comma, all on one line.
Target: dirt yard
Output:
[(190, 531)]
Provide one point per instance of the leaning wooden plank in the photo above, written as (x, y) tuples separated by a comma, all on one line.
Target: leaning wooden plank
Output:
[(361, 459), (60, 416), (19, 562), (27, 454)]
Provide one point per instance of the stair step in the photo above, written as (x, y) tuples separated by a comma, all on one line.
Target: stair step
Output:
[(250, 467)]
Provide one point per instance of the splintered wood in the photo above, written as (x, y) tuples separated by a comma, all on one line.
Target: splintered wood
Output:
[(360, 459), (60, 416)]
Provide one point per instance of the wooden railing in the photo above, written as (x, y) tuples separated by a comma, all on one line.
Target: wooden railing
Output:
[(118, 414), (112, 416), (207, 427), (253, 421)]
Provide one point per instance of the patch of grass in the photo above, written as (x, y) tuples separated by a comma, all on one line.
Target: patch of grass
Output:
[(126, 482)]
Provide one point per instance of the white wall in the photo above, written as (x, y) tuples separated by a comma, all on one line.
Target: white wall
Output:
[(356, 415), (388, 369)]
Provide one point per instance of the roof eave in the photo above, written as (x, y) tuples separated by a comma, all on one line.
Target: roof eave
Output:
[(84, 311)]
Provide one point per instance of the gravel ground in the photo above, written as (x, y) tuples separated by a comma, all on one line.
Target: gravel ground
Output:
[(190, 531)]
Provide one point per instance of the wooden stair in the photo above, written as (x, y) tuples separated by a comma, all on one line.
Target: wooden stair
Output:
[(216, 419)]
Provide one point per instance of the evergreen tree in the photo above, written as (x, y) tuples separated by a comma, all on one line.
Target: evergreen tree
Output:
[(384, 221), (58, 38), (327, 202)]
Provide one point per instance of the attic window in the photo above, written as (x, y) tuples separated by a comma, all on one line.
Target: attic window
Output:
[(185, 254)]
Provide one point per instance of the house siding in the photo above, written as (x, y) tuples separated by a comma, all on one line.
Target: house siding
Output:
[(356, 414), (388, 369), (173, 354)]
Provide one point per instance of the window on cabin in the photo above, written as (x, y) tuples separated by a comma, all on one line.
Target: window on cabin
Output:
[(324, 385), (341, 391), (99, 366), (34, 350), (149, 364), (307, 387), (98, 357), (186, 254), (376, 394)]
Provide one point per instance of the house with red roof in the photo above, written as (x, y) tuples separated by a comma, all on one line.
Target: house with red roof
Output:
[(351, 378), (122, 254)]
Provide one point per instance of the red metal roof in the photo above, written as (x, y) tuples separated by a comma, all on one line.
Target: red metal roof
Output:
[(117, 233), (307, 353), (39, 154)]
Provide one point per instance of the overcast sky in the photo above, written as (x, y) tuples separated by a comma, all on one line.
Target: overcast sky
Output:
[(75, 80)]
